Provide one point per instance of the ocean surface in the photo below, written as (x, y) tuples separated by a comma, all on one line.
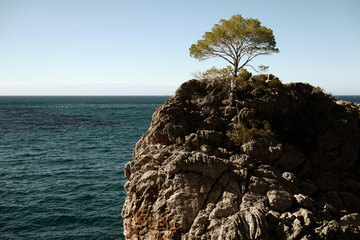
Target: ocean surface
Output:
[(62, 161)]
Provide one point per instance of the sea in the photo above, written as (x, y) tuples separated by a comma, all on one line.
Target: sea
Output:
[(62, 163)]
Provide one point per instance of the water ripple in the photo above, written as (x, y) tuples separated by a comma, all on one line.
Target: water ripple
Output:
[(62, 161)]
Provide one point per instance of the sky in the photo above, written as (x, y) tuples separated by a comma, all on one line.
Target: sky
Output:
[(141, 47)]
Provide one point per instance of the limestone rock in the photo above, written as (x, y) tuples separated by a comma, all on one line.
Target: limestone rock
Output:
[(189, 180), (263, 149), (279, 200), (304, 201), (290, 159)]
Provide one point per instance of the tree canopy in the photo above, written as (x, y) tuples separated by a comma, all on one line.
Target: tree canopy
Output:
[(237, 40)]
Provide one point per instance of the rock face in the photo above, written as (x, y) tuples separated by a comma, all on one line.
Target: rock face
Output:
[(189, 180)]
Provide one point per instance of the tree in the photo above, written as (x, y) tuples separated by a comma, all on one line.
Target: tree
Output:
[(238, 41)]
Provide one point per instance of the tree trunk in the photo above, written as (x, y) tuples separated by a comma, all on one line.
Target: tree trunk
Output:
[(236, 65), (232, 81), (232, 84)]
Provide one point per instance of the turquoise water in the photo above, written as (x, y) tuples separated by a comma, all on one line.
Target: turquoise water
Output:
[(62, 161)]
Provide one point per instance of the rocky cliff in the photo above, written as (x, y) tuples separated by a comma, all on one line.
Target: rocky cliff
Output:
[(276, 162)]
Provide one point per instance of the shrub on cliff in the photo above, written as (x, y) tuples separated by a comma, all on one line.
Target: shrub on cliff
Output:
[(246, 82), (265, 81), (214, 73), (320, 90), (253, 129)]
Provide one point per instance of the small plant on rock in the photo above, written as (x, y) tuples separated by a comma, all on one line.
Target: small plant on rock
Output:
[(317, 89), (245, 132), (320, 90)]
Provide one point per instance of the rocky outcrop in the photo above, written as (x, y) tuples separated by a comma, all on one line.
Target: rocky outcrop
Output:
[(190, 180)]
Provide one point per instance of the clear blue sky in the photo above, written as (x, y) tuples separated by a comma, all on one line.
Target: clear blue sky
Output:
[(118, 47)]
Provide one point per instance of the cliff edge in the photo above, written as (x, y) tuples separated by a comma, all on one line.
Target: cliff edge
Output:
[(270, 162)]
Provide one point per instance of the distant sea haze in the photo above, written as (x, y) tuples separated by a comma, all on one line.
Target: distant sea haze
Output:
[(62, 163)]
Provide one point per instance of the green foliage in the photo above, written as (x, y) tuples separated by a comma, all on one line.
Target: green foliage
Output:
[(242, 80), (243, 133), (263, 68), (317, 90), (237, 40), (259, 81), (247, 82), (274, 83), (244, 75), (215, 73)]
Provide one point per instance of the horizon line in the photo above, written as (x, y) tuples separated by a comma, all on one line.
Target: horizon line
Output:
[(80, 95), (122, 95)]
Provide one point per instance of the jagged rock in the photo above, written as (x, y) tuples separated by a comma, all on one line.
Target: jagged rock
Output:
[(279, 200), (246, 113), (263, 149), (290, 159), (304, 201), (190, 180), (293, 225), (348, 227), (258, 185), (350, 223)]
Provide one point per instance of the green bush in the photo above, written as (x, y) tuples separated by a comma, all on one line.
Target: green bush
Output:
[(243, 133), (317, 90), (274, 83), (246, 82), (259, 82), (242, 80), (244, 75)]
